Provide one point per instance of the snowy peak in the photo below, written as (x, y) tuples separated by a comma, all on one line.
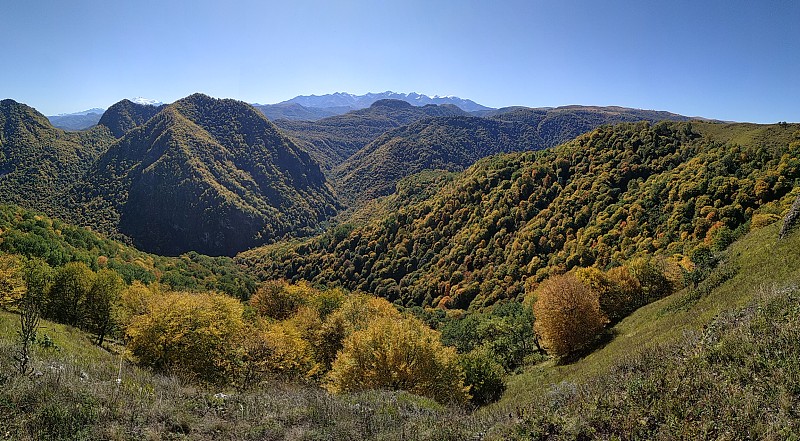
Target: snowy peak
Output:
[(343, 99), (147, 101)]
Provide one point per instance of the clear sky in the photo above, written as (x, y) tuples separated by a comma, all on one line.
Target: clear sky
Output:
[(728, 59)]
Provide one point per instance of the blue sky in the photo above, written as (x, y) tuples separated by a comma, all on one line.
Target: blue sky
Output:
[(733, 60)]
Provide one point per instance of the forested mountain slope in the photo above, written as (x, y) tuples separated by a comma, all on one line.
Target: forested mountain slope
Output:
[(332, 140), (38, 161), (617, 192), (208, 175), (455, 143), (126, 115)]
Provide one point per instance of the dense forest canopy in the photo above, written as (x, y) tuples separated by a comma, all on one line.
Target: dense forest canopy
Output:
[(513, 219)]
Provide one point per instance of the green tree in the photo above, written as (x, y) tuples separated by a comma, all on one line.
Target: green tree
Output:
[(483, 375), (101, 303), (66, 301)]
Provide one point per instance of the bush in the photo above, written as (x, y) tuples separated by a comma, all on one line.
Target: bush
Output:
[(399, 354), (568, 315), (192, 333), (483, 375), (279, 300)]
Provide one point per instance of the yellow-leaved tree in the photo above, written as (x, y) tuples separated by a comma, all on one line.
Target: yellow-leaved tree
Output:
[(356, 312), (568, 314), (194, 334), (398, 354), (12, 283), (279, 300)]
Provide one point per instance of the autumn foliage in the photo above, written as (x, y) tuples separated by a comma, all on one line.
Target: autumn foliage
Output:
[(398, 355), (194, 334), (568, 314)]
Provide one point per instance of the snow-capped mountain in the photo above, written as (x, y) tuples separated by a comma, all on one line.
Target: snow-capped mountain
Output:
[(343, 99), (147, 101)]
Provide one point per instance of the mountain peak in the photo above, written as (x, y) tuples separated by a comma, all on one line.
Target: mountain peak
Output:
[(146, 101), (355, 102), (392, 103), (126, 115)]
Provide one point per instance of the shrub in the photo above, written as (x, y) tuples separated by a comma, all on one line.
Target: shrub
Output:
[(483, 375), (651, 276), (357, 311), (399, 354), (568, 315), (191, 333), (279, 300)]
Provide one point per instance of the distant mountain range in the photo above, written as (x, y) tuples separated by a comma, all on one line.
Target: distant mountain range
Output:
[(216, 176), (89, 118), (315, 107), (299, 108), (342, 99), (78, 120)]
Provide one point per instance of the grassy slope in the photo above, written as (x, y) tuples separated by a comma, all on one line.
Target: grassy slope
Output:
[(759, 260), (75, 397), (60, 403)]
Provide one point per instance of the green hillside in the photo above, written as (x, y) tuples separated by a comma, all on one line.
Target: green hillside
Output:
[(455, 143), (703, 363), (332, 140), (38, 161), (716, 362), (126, 115), (511, 220), (206, 175), (32, 235), (446, 143)]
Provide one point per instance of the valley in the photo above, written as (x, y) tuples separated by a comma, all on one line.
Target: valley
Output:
[(391, 270)]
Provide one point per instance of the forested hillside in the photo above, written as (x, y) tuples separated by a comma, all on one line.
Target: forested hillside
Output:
[(39, 161), (126, 115), (31, 235), (455, 143), (332, 140), (213, 176), (674, 189)]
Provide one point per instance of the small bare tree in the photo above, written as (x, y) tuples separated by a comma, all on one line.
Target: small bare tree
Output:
[(29, 321)]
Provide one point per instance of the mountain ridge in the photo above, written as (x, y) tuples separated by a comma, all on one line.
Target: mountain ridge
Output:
[(454, 143), (355, 102), (213, 176)]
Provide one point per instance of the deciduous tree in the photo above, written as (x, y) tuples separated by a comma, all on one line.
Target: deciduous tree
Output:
[(399, 354), (568, 315)]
